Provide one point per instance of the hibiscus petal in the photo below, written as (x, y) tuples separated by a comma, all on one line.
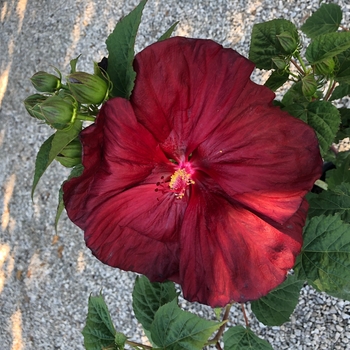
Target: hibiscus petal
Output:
[(261, 150), (127, 223), (230, 254), (180, 96), (136, 230)]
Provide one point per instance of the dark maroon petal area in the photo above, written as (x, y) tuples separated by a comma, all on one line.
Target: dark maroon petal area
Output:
[(185, 88), (198, 178), (230, 254)]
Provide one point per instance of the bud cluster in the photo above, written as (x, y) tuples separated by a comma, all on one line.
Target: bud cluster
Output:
[(60, 104)]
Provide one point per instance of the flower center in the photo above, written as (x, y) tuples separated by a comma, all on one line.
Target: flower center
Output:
[(179, 182)]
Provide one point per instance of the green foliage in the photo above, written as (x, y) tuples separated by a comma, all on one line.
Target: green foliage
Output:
[(240, 338), (344, 130), (120, 45), (149, 297), (325, 20), (335, 201), (342, 73), (322, 116), (266, 42), (175, 329), (99, 332), (327, 46), (275, 308), (168, 33), (276, 79), (341, 174), (51, 148), (325, 257), (340, 91)]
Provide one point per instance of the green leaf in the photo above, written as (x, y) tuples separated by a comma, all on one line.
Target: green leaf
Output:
[(276, 80), (99, 332), (325, 257), (326, 46), (340, 91), (336, 177), (342, 73), (275, 308), (336, 201), (325, 119), (240, 338), (175, 329), (149, 297), (344, 130), (325, 20), (265, 44), (168, 33), (42, 161), (51, 148), (60, 207), (120, 46), (298, 111)]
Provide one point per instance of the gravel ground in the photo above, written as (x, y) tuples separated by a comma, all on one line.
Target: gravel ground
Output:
[(47, 277)]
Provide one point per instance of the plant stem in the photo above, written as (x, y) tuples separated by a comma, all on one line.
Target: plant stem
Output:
[(330, 90), (218, 335), (85, 118), (297, 66), (132, 343), (245, 315), (297, 55)]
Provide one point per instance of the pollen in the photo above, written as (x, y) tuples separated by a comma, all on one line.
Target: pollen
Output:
[(179, 182)]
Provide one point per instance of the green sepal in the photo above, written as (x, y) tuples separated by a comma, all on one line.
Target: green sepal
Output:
[(73, 64), (32, 104), (309, 85)]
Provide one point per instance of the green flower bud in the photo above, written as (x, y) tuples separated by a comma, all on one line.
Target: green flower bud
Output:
[(87, 88), (70, 156), (120, 340), (58, 112), (45, 82), (279, 62), (309, 85), (32, 105), (326, 67), (288, 42)]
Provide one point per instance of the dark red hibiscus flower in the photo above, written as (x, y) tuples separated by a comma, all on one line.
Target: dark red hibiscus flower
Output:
[(197, 179)]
